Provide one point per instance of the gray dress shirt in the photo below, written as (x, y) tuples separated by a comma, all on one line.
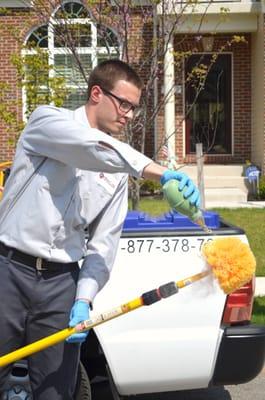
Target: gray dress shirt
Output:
[(68, 179)]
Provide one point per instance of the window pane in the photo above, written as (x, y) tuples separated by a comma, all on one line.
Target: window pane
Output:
[(39, 37), (106, 37), (36, 98), (76, 99), (208, 105), (104, 57), (77, 35), (72, 10), (66, 66), (37, 69)]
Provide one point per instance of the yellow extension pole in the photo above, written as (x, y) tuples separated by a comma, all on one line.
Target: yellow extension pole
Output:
[(36, 346), (96, 320)]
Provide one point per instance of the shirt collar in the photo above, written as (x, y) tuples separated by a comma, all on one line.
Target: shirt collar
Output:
[(80, 115)]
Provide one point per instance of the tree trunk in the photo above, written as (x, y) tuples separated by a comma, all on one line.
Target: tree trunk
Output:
[(135, 194)]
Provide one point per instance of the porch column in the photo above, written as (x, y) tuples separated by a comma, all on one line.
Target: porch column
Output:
[(258, 94), (169, 93)]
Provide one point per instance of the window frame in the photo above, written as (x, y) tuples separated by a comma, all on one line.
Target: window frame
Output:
[(94, 51)]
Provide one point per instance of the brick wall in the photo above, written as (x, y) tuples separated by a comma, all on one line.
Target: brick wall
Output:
[(13, 25)]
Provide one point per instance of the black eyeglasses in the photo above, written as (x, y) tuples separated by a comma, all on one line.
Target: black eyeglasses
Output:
[(124, 105)]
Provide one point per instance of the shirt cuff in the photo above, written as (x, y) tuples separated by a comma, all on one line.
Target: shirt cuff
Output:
[(87, 288)]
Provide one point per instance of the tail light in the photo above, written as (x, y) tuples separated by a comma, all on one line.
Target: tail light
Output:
[(239, 304)]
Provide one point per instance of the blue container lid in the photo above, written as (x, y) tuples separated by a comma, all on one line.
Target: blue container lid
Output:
[(137, 221)]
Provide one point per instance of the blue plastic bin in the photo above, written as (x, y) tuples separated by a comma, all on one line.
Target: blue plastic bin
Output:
[(139, 221)]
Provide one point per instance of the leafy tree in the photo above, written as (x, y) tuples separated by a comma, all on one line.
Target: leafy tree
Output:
[(128, 29)]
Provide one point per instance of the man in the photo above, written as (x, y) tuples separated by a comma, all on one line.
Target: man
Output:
[(68, 179)]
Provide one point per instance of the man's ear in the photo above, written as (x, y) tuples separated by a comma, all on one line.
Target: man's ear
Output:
[(95, 94)]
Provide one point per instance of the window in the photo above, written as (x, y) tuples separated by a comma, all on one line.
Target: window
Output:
[(208, 110), (73, 44)]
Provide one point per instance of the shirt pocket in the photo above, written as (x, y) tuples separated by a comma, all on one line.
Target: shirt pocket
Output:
[(105, 184)]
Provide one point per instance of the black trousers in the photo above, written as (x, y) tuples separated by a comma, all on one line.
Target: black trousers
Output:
[(34, 305)]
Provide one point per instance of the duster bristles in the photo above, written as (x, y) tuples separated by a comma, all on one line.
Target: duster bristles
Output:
[(232, 262)]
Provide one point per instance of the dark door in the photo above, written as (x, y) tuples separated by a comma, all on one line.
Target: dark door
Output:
[(208, 104)]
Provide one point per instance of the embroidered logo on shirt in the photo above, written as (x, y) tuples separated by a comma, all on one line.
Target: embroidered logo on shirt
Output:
[(106, 182)]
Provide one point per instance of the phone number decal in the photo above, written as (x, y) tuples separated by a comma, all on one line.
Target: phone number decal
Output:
[(164, 245)]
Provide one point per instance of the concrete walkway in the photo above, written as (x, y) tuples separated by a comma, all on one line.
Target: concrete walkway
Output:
[(240, 204), (260, 286)]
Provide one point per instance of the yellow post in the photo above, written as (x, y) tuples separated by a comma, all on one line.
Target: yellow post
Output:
[(3, 166)]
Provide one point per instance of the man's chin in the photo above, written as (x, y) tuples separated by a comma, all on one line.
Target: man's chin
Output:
[(117, 129)]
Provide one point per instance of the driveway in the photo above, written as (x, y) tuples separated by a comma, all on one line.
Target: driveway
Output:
[(253, 390)]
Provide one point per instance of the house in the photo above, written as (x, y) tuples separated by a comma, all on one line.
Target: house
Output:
[(227, 116), (229, 122)]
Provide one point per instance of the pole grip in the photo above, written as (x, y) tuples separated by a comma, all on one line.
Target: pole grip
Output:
[(164, 291)]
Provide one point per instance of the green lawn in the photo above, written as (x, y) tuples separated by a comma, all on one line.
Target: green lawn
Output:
[(258, 315), (252, 220), (153, 206)]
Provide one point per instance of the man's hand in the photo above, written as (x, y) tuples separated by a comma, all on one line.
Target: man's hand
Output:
[(79, 313), (191, 192)]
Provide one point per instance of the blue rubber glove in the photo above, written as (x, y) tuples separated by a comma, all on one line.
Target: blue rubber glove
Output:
[(79, 313), (191, 192)]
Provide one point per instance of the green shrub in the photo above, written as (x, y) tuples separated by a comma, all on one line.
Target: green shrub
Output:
[(150, 187), (261, 194)]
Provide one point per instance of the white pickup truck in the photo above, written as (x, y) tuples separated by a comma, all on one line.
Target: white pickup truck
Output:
[(194, 339)]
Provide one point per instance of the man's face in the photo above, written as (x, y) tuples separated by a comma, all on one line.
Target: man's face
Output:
[(115, 108)]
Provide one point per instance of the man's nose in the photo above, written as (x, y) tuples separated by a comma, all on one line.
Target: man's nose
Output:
[(129, 114)]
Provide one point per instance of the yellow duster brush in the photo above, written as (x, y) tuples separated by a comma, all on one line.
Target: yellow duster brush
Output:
[(230, 260)]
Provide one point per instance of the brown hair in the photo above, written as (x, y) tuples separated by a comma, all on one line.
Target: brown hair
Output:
[(108, 72)]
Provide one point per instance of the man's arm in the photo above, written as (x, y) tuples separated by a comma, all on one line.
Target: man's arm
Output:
[(153, 171), (102, 246), (52, 132)]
